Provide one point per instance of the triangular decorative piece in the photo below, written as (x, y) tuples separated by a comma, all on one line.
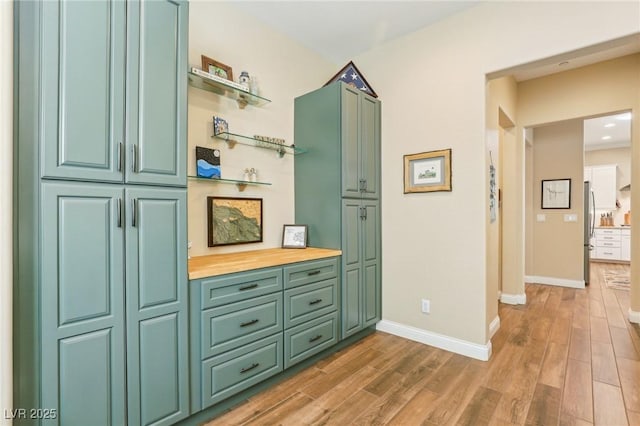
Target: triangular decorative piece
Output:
[(351, 75)]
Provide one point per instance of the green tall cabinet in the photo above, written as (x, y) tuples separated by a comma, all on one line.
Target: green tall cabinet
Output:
[(337, 187), (100, 284)]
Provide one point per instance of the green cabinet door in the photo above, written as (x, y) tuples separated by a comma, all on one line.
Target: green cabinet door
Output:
[(82, 89), (82, 304), (371, 261), (351, 267), (157, 33), (370, 146), (361, 306), (351, 154), (157, 306)]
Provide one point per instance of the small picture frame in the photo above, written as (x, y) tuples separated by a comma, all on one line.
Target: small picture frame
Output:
[(216, 68), (427, 171), (556, 194), (220, 126), (294, 236)]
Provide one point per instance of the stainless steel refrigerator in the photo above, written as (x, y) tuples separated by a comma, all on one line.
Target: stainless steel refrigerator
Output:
[(589, 211)]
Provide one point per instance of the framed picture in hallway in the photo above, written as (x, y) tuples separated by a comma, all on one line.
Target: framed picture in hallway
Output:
[(556, 194), (427, 171)]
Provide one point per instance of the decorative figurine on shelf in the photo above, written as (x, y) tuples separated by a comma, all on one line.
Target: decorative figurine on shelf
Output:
[(244, 79), (253, 86), (253, 175)]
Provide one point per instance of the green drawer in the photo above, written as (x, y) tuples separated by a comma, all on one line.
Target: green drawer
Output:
[(310, 272), (305, 303), (231, 288), (229, 373), (310, 338), (230, 326)]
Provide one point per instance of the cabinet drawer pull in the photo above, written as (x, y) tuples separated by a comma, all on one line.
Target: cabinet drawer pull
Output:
[(314, 338), (248, 323), (254, 365), (248, 287), (315, 302), (313, 272)]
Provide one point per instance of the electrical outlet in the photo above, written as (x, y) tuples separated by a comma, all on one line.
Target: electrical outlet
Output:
[(426, 306)]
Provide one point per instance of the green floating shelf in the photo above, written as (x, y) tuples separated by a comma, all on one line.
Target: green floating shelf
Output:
[(242, 184), (243, 98), (233, 138)]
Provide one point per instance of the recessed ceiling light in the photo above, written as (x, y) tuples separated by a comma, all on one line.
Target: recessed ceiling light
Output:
[(625, 116), (610, 125), (606, 138)]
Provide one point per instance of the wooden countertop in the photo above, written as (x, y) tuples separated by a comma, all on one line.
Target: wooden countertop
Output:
[(227, 263)]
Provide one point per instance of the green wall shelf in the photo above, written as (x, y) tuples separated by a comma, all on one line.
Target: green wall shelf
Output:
[(231, 139), (243, 98), (242, 184)]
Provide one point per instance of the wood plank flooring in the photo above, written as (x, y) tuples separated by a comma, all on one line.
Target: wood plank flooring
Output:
[(568, 357)]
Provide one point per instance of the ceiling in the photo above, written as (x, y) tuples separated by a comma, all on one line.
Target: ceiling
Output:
[(340, 30), (610, 131)]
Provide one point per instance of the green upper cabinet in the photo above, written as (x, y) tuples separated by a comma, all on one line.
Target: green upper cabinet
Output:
[(157, 92), (114, 91), (360, 118), (83, 87)]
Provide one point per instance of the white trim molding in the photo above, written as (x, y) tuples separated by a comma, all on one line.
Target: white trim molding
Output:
[(494, 326), (634, 316), (514, 299), (560, 282), (451, 344)]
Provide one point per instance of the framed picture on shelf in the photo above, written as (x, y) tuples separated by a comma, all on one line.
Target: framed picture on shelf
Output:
[(294, 236), (233, 220), (216, 68), (208, 163), (427, 171), (556, 194), (220, 125)]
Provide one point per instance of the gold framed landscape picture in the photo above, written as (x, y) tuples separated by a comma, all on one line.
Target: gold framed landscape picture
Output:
[(427, 171)]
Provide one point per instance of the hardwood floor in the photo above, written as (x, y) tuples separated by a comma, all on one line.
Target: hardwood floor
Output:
[(568, 357)]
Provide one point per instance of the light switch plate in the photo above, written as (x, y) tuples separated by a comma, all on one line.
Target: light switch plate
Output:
[(541, 217)]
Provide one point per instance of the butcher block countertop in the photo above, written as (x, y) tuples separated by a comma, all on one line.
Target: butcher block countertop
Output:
[(227, 263)]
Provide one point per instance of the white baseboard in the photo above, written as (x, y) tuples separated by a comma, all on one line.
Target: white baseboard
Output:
[(514, 299), (451, 344), (560, 282), (634, 316), (494, 326)]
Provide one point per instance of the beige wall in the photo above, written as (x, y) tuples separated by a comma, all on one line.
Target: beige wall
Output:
[(435, 244), (558, 245), (284, 70), (602, 88), (6, 182), (622, 158), (501, 116)]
